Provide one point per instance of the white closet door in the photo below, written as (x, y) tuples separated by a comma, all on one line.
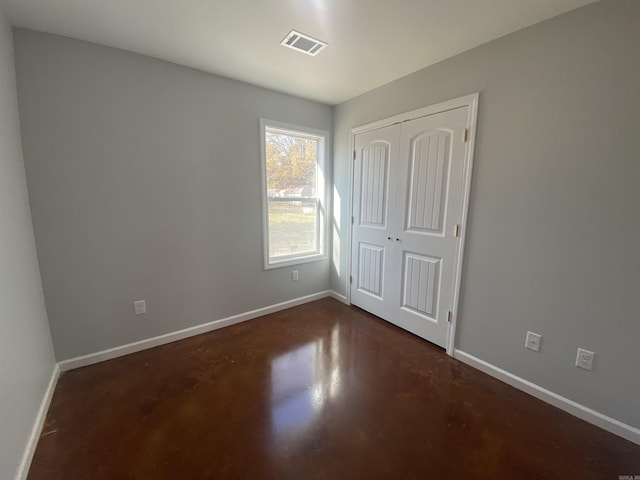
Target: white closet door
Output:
[(408, 191), (375, 177), (430, 192)]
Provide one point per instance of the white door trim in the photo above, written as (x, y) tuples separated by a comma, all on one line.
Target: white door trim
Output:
[(470, 101)]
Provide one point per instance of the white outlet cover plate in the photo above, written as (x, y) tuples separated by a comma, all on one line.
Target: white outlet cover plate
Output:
[(533, 341), (584, 359), (140, 307)]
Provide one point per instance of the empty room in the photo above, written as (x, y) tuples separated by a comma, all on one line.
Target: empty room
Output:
[(319, 239)]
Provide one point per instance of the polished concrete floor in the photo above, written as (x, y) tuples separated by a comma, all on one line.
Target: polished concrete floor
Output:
[(320, 391)]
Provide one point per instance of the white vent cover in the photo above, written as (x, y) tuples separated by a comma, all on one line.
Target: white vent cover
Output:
[(303, 43)]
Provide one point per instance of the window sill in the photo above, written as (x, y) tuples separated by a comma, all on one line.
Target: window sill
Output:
[(288, 262)]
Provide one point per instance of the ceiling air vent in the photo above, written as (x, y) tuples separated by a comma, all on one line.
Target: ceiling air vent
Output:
[(303, 43)]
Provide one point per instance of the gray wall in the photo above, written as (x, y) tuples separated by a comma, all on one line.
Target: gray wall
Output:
[(26, 354), (554, 225), (144, 182)]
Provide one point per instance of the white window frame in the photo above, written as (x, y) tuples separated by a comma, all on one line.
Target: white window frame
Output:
[(321, 194)]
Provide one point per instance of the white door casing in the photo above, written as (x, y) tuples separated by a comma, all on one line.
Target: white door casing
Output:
[(407, 238)]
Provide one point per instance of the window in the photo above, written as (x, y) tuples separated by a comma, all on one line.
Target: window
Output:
[(294, 202)]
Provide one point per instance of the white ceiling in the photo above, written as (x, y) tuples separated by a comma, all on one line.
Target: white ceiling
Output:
[(371, 42)]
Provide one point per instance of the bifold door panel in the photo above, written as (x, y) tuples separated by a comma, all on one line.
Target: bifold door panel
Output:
[(374, 206)]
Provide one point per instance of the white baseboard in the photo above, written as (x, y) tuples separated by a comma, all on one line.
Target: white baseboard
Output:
[(32, 443), (339, 297), (585, 413), (110, 353)]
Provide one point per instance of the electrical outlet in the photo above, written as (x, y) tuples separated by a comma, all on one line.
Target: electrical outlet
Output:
[(533, 341), (584, 359), (140, 307), (294, 275)]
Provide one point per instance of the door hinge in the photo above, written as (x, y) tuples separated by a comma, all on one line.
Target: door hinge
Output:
[(351, 219), (449, 315), (465, 135), (456, 230), (354, 154), (350, 279)]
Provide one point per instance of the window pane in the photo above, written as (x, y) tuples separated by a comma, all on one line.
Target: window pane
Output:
[(291, 167), (292, 227)]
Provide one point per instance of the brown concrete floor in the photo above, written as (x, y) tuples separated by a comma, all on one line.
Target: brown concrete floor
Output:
[(320, 391)]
